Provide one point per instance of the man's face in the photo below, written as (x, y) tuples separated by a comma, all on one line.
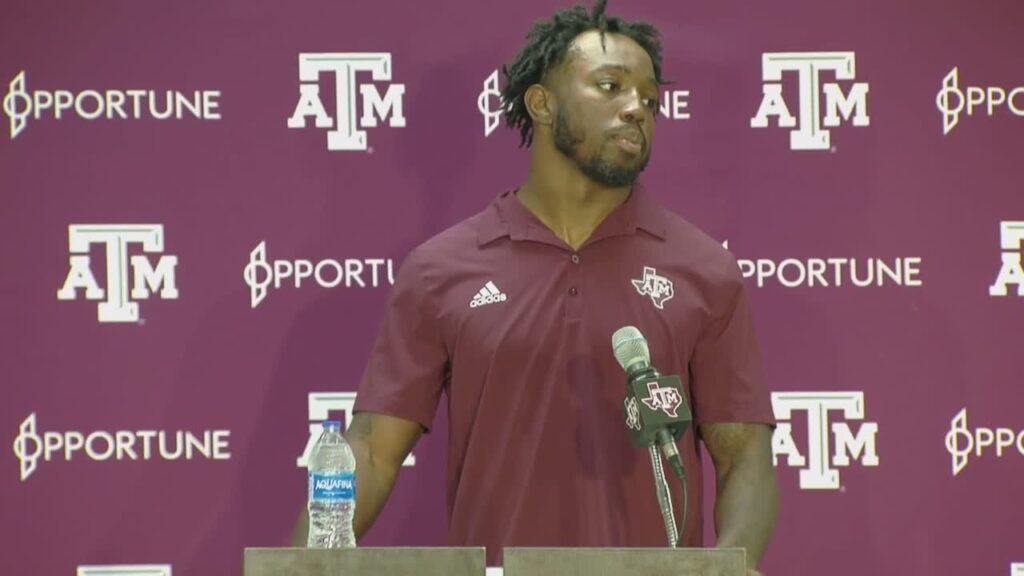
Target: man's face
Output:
[(607, 100)]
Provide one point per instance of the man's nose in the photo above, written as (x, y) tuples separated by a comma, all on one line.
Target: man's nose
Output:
[(633, 108)]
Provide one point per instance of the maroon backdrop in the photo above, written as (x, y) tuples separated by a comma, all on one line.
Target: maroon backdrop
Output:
[(202, 207)]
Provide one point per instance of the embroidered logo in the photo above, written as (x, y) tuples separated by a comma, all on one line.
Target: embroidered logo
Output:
[(489, 294), (657, 287)]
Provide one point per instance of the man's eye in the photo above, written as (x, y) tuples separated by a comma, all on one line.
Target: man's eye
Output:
[(607, 85), (651, 103)]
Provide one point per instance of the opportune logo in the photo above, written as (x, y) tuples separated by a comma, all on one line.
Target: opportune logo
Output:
[(833, 272), (850, 106), (674, 104), (321, 404), (1011, 236), (126, 570), (830, 444), (260, 274), (146, 279), (489, 103), (346, 133), (30, 445), (962, 442), (952, 101), (20, 104)]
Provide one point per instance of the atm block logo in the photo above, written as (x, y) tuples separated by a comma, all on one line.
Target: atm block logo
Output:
[(1010, 279), (820, 105), (837, 435), (128, 278), (346, 127)]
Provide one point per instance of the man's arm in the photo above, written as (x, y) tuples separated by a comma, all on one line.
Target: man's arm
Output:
[(380, 444), (747, 502)]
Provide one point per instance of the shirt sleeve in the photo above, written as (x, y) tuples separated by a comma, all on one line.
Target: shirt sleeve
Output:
[(726, 373), (405, 373)]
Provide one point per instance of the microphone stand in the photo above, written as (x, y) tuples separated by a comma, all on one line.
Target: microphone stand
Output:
[(665, 498), (674, 534)]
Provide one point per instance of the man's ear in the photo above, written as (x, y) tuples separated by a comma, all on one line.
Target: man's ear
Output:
[(541, 105)]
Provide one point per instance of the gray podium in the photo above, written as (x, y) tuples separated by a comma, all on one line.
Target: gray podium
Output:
[(625, 562), (369, 561), (472, 562)]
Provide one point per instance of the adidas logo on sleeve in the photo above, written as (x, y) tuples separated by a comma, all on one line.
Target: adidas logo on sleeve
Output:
[(489, 294)]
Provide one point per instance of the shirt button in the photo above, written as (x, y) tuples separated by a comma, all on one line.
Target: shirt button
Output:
[(573, 291), (575, 259)]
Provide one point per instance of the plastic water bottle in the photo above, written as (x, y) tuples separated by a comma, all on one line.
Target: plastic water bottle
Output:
[(332, 490)]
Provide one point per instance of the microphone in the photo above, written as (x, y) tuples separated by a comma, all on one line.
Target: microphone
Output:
[(655, 408)]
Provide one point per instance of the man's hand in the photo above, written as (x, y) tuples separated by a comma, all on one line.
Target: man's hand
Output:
[(747, 502), (380, 444)]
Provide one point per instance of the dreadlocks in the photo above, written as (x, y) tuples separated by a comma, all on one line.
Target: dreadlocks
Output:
[(546, 47)]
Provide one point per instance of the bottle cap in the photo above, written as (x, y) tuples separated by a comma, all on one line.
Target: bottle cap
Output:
[(332, 425)]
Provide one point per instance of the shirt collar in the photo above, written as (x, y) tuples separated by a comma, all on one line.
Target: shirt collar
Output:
[(507, 216)]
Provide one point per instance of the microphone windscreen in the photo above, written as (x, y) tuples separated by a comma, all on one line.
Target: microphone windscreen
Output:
[(630, 347)]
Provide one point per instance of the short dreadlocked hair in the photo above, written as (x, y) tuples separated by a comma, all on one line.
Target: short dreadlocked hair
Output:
[(547, 44)]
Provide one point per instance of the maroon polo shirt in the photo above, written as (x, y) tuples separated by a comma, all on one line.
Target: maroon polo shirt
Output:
[(515, 327)]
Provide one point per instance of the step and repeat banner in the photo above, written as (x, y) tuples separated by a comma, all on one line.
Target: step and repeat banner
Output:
[(203, 208)]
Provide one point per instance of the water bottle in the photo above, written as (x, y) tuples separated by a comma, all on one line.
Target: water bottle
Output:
[(332, 490)]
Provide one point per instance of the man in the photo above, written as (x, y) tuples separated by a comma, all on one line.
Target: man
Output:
[(510, 313)]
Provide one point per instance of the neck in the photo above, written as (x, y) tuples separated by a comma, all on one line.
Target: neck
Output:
[(565, 200)]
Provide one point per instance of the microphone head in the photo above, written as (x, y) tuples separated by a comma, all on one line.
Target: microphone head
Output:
[(630, 347)]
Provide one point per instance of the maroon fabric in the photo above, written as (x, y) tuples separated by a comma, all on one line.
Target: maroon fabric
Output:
[(538, 451)]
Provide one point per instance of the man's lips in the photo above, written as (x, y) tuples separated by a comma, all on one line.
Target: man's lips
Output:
[(630, 141), (631, 136)]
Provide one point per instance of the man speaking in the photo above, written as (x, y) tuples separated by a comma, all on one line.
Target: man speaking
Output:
[(510, 314)]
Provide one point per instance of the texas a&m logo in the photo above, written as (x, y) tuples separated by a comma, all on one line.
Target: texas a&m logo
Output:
[(346, 133), (830, 445), (659, 288), (808, 134), (117, 300), (667, 399), (1011, 273)]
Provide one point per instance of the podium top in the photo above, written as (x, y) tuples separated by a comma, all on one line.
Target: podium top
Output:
[(625, 562), (369, 561), (472, 562)]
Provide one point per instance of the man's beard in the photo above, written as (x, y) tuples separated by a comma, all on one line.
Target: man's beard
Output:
[(596, 167)]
